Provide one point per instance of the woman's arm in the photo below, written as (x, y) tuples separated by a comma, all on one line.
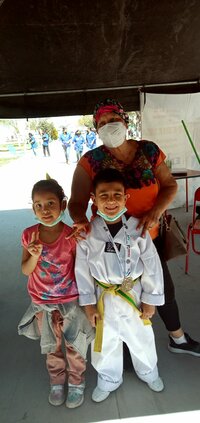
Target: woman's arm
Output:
[(168, 188), (167, 191), (80, 195)]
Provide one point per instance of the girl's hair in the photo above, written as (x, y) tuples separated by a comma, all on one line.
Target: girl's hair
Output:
[(108, 175), (48, 185)]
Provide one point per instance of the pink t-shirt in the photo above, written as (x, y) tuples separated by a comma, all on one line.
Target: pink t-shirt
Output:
[(53, 280)]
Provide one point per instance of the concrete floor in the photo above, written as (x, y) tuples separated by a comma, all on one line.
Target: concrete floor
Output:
[(24, 383)]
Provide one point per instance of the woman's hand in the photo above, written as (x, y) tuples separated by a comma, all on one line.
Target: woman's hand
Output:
[(34, 247), (148, 220), (167, 192), (78, 230), (92, 314), (147, 310)]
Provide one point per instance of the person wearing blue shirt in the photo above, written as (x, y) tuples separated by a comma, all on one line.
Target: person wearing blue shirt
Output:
[(33, 143), (78, 142), (91, 139), (65, 138), (45, 143)]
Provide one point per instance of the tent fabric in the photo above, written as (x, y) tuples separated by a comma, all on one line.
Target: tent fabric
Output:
[(162, 116), (61, 57)]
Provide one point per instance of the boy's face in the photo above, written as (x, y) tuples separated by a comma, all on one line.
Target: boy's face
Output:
[(110, 198)]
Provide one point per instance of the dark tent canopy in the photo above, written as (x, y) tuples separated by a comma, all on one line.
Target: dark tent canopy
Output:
[(58, 57)]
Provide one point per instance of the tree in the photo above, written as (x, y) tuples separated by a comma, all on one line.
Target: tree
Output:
[(44, 125), (134, 126), (12, 123), (86, 120)]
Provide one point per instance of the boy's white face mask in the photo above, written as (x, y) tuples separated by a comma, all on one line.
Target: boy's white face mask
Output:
[(113, 218), (113, 134)]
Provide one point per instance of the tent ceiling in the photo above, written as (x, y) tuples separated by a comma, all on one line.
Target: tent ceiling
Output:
[(58, 57)]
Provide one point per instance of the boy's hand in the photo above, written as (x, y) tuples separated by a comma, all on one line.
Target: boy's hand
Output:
[(147, 311), (34, 247), (92, 314)]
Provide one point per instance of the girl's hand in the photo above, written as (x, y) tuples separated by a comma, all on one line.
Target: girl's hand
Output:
[(34, 247), (147, 310), (92, 314)]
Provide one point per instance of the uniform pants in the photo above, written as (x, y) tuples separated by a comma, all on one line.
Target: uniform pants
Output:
[(79, 154), (66, 149), (57, 363), (46, 150), (123, 324)]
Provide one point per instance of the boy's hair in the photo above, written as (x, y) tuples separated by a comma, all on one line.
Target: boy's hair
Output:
[(48, 185), (108, 175)]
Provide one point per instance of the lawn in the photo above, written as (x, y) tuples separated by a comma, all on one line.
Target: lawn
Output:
[(7, 160)]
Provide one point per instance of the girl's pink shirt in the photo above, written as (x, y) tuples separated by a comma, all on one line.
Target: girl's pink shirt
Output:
[(53, 280)]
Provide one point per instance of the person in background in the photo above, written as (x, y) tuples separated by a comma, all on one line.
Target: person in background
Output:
[(91, 139), (151, 188), (33, 143), (65, 138), (45, 143), (120, 280), (78, 142), (54, 315)]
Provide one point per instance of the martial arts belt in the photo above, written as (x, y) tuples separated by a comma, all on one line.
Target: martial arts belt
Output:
[(123, 292)]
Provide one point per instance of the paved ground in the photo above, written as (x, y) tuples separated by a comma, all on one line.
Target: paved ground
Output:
[(24, 381)]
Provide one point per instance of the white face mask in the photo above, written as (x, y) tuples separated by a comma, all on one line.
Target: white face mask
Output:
[(113, 218), (113, 134), (50, 225)]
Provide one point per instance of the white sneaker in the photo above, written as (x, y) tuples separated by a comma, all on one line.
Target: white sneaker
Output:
[(57, 395), (75, 395), (98, 395), (157, 385)]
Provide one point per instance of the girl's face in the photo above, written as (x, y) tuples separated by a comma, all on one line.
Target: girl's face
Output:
[(46, 206)]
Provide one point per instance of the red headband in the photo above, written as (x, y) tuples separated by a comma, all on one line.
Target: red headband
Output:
[(107, 109)]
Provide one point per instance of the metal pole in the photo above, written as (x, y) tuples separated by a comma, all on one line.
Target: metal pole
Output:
[(191, 142)]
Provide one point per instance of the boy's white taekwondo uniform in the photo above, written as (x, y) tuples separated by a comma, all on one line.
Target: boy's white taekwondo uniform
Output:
[(103, 257)]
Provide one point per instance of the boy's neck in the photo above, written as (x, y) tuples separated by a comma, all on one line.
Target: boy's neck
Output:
[(115, 221)]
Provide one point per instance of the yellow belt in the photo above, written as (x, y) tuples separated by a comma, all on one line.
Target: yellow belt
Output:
[(115, 290)]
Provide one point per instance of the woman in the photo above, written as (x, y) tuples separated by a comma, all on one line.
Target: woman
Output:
[(78, 142), (151, 188)]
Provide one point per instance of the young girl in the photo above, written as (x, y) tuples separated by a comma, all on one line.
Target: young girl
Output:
[(48, 261)]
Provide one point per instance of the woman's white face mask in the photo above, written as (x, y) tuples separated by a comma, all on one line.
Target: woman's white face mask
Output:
[(112, 134)]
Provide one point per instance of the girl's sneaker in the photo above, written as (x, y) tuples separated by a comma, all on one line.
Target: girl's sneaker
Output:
[(57, 395), (75, 395)]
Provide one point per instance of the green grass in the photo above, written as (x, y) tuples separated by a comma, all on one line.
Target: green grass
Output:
[(6, 161)]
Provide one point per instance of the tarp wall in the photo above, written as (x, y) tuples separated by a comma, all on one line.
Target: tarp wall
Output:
[(162, 116)]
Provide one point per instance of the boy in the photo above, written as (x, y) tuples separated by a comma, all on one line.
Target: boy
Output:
[(115, 259)]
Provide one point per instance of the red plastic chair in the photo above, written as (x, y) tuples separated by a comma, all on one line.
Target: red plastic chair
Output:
[(193, 229)]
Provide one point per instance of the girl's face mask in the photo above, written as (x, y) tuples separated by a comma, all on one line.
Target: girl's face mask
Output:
[(59, 218), (113, 134)]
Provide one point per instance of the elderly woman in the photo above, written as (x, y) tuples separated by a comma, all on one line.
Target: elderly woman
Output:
[(151, 188)]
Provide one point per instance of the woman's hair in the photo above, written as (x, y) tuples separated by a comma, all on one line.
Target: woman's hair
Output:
[(108, 175), (48, 185)]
